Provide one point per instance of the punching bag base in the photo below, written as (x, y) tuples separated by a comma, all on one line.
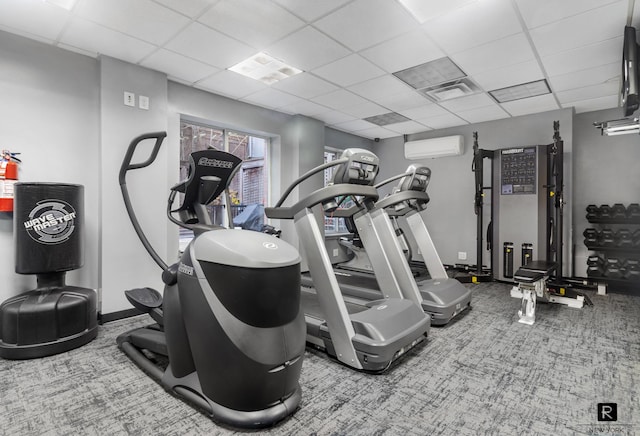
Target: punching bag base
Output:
[(47, 321)]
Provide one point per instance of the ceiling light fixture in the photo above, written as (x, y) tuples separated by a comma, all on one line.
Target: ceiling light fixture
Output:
[(518, 92), (265, 68), (624, 126)]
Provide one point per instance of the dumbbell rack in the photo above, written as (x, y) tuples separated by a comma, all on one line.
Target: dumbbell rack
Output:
[(616, 241)]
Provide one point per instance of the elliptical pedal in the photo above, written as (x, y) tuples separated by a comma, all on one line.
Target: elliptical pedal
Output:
[(144, 299)]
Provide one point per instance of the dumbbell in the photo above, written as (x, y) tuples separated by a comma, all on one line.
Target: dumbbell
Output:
[(636, 238), (593, 212), (633, 269), (595, 266), (591, 237), (605, 211), (615, 268), (607, 238), (618, 211), (624, 238), (633, 211)]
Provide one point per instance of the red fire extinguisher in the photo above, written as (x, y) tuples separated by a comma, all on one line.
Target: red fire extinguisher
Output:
[(8, 177)]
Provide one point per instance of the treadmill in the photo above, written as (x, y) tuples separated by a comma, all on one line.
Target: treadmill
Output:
[(367, 335), (443, 298)]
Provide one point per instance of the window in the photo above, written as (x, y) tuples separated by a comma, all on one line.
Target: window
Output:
[(333, 225), (250, 184)]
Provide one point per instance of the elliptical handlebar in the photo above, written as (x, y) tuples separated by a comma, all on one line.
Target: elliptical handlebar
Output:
[(124, 168), (126, 163)]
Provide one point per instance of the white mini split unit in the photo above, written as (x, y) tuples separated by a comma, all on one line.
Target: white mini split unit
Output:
[(434, 147)]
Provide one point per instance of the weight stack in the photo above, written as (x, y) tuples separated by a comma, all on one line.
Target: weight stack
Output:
[(48, 241)]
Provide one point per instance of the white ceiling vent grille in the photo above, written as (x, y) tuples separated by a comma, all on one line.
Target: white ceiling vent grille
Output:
[(450, 90)]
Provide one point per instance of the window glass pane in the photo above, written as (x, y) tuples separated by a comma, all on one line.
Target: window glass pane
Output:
[(334, 225)]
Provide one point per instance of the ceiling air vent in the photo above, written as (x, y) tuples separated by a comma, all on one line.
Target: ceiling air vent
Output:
[(386, 119), (450, 90)]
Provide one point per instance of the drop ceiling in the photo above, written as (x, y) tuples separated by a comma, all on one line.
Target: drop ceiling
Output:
[(349, 51)]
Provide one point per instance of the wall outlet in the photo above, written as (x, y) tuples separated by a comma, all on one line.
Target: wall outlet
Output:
[(336, 252), (462, 255), (129, 98), (143, 102)]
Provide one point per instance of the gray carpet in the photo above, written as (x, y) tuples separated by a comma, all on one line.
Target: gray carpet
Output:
[(485, 374)]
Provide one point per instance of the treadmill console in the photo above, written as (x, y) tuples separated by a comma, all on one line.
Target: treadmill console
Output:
[(361, 168), (418, 180)]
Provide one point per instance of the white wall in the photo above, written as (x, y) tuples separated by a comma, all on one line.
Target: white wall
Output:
[(49, 113), (124, 262)]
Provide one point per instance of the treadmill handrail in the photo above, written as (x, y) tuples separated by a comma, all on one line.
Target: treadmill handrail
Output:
[(319, 196), (389, 201), (308, 174), (393, 179)]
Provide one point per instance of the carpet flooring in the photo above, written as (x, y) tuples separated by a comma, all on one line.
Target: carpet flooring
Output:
[(485, 374)]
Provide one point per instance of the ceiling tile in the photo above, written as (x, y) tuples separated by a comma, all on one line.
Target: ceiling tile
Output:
[(295, 49), (469, 102), (510, 75), (303, 107), (141, 19), (427, 110), (364, 23), (379, 132), (339, 99), (473, 24), (311, 10), (579, 30), (206, 45), (305, 85), (271, 98), (407, 127), (401, 101), (231, 84), (583, 58), (482, 114), (354, 126), (364, 110), (541, 103), (591, 76), (190, 8), (428, 10), (442, 121), (594, 104), (380, 87), (256, 23), (538, 12), (178, 66), (349, 70), (405, 51), (589, 92), (334, 117), (33, 17), (497, 54), (105, 41)]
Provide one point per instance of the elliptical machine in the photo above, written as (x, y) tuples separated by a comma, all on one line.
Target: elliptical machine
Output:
[(230, 322)]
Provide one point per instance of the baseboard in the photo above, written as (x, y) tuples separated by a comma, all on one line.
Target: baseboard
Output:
[(104, 318)]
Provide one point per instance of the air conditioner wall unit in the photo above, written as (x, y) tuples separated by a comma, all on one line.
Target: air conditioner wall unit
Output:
[(434, 147)]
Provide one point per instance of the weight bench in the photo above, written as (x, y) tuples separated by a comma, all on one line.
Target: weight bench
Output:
[(531, 280)]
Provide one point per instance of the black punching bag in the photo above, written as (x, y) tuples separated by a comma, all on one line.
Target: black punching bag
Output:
[(48, 234)]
